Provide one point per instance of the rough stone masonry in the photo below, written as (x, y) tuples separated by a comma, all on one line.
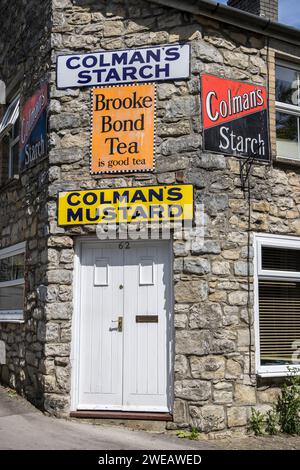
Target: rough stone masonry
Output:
[(25, 63), (215, 384)]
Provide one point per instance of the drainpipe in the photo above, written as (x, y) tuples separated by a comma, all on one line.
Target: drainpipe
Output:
[(2, 92)]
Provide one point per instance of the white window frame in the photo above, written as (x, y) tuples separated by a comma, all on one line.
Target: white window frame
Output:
[(6, 127), (6, 124), (12, 316), (277, 241), (289, 108)]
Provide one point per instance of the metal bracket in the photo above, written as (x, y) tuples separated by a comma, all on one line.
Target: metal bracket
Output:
[(245, 168)]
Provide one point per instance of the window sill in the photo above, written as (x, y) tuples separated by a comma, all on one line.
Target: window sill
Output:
[(11, 316), (12, 321), (272, 372), (287, 161)]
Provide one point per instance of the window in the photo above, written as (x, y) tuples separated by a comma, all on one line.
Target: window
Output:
[(12, 283), (287, 91), (277, 304), (9, 134)]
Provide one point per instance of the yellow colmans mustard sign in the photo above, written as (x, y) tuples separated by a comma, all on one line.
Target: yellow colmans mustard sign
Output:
[(147, 203)]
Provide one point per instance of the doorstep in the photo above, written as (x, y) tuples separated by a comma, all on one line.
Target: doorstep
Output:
[(122, 415)]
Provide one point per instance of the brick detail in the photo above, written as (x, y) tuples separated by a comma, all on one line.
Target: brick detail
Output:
[(267, 8)]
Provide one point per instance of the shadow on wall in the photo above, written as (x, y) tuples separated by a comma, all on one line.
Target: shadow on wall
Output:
[(138, 23)]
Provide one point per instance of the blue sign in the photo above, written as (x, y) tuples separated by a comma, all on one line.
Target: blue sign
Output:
[(33, 121)]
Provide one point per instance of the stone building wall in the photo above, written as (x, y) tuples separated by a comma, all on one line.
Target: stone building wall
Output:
[(215, 382), (25, 55)]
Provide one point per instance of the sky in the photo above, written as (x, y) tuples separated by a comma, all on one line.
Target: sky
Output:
[(289, 12)]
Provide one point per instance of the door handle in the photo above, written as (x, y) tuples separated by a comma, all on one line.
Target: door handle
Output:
[(120, 323)]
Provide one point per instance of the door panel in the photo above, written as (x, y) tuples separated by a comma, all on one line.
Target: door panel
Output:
[(100, 369), (146, 292)]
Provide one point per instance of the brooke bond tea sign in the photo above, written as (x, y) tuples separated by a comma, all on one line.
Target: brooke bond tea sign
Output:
[(122, 129), (33, 122), (147, 64), (235, 118)]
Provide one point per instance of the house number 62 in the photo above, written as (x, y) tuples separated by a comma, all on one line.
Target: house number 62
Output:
[(125, 245)]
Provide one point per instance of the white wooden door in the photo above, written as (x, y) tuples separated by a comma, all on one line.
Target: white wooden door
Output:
[(128, 366)]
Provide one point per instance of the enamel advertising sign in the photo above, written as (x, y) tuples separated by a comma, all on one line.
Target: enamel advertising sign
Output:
[(33, 134), (148, 64), (235, 118), (122, 129), (142, 204)]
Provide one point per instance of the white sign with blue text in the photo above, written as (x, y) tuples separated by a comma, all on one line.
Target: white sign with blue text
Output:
[(149, 64)]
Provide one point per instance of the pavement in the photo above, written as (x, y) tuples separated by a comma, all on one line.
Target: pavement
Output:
[(24, 427)]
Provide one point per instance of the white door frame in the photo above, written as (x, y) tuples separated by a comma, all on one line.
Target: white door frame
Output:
[(76, 319)]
